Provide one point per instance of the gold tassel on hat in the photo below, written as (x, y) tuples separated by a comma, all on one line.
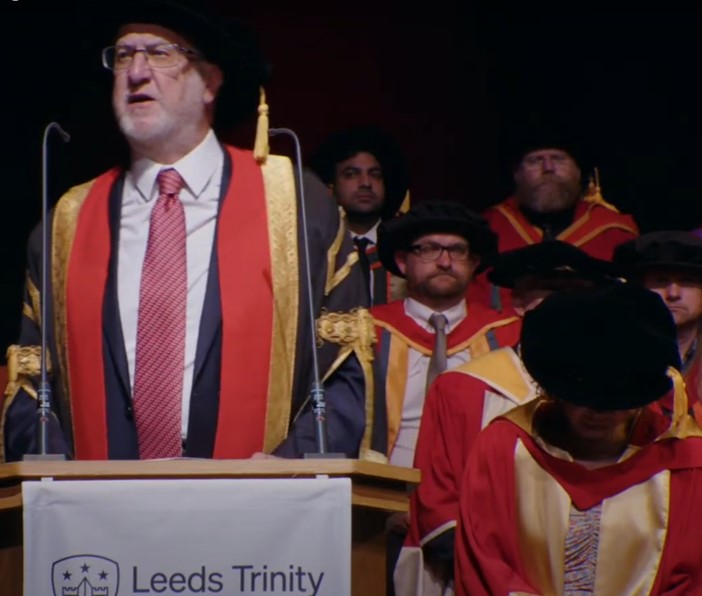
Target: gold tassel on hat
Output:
[(405, 206), (261, 147), (593, 194)]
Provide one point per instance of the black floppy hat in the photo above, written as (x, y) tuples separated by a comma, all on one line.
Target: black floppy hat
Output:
[(663, 250), (605, 348), (552, 259), (539, 132), (343, 144), (222, 40), (435, 217)]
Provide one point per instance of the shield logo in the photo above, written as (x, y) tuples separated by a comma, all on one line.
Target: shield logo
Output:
[(85, 575)]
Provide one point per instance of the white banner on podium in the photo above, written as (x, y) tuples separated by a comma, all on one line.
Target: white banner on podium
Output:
[(187, 537)]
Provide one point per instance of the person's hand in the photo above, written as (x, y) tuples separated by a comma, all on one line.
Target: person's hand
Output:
[(398, 522), (261, 455)]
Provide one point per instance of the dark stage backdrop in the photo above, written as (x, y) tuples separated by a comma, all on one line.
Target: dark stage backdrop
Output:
[(448, 79)]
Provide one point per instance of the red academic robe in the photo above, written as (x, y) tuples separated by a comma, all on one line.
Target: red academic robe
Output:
[(252, 366), (459, 404), (597, 229), (516, 498), (481, 331)]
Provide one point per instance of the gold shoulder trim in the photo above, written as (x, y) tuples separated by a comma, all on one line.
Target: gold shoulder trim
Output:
[(502, 370), (32, 310), (523, 416), (354, 332), (23, 365), (354, 328), (281, 206), (25, 360), (334, 276), (515, 224), (603, 228)]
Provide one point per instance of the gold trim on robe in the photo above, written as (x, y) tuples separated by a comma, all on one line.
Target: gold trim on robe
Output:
[(633, 529), (334, 276), (502, 370), (65, 221), (281, 203), (23, 365), (355, 333)]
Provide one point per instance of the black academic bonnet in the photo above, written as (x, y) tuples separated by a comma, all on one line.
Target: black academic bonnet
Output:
[(437, 217), (223, 41), (539, 132), (343, 144), (660, 251), (605, 348), (552, 259)]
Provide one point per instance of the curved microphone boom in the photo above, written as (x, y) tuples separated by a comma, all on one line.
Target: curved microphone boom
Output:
[(317, 391), (44, 392)]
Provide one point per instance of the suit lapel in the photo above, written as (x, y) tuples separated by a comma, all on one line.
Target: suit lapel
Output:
[(111, 321), (211, 320)]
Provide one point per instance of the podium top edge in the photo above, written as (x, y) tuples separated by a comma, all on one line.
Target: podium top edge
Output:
[(367, 471)]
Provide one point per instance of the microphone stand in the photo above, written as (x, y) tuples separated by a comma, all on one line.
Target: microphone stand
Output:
[(319, 406), (44, 392)]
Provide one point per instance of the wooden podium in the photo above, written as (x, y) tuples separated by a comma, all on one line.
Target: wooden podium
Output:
[(377, 489)]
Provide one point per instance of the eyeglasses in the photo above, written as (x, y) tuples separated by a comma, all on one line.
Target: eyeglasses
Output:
[(537, 160), (162, 55), (431, 252)]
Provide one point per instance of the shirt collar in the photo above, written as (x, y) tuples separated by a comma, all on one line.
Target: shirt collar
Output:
[(421, 313), (196, 168), (371, 234)]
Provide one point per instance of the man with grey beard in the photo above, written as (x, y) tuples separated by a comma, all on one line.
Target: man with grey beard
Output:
[(549, 203), (179, 323)]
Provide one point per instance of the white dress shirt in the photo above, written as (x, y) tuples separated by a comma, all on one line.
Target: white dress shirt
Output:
[(201, 170), (371, 234), (417, 367)]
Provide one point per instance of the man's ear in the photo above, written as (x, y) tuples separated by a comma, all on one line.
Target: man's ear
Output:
[(517, 300), (401, 261), (213, 77), (475, 261)]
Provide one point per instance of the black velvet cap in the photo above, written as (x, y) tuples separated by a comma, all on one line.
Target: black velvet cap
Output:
[(605, 348), (436, 217), (343, 144), (222, 40), (534, 133), (664, 250), (551, 259)]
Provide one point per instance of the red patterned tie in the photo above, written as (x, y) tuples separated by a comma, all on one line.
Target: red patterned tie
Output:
[(160, 345)]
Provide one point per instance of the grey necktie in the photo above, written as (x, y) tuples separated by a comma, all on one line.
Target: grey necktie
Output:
[(437, 362)]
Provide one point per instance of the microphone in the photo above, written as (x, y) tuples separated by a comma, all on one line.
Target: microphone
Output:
[(319, 404), (44, 392)]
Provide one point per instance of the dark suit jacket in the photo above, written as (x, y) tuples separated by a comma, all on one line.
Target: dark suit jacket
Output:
[(344, 390)]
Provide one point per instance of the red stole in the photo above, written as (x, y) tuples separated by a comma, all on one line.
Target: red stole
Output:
[(242, 245), (479, 320), (590, 221), (603, 483)]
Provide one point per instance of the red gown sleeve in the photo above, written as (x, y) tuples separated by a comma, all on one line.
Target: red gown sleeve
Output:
[(488, 562), (451, 420), (680, 570)]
